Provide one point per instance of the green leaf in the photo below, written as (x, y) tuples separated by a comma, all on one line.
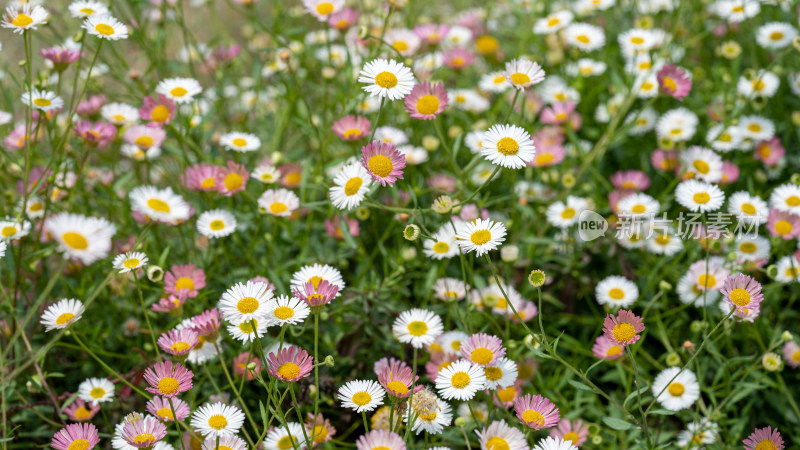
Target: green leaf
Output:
[(618, 424), (580, 386)]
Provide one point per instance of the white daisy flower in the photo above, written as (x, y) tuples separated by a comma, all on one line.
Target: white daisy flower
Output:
[(450, 289), (96, 390), (84, 9), (279, 438), (702, 163), (350, 186), (361, 395), (322, 9), (638, 205), (509, 146), (42, 100), (501, 373), (775, 35), (616, 291), (678, 394), (553, 22), (218, 419), (457, 37), (641, 122), (677, 125), (756, 128), (245, 301), (136, 153), (418, 327), (162, 205), (120, 113), (748, 208), (279, 202), (405, 41), (699, 196), (499, 435), (387, 78), (586, 67), (724, 139), (13, 230), (460, 380), (481, 236), (225, 443), (24, 17), (788, 270), (105, 27), (129, 261), (523, 73), (450, 342), (690, 292), (179, 90), (391, 135), (763, 84), (244, 331), (443, 245), (240, 142), (566, 214), (432, 420), (495, 82), (786, 198), (3, 247), (646, 86), (636, 41), (414, 155), (584, 36), (698, 434), (285, 310), (267, 174), (315, 274), (555, 90), (216, 223), (554, 443), (467, 100), (62, 314), (752, 248), (664, 241), (87, 239)]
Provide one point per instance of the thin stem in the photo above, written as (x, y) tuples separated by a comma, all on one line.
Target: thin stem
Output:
[(639, 394), (146, 317), (299, 414), (109, 369), (175, 419), (233, 388)]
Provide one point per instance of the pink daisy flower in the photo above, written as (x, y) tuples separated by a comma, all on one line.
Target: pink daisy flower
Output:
[(764, 438), (742, 292), (769, 152), (426, 101), (160, 112), (383, 162), (791, 353), (351, 128), (526, 310), (61, 57), (168, 379), (91, 106), (201, 177), (143, 432), (605, 348), (482, 349), (458, 58), (674, 81), (178, 342), (80, 411), (144, 136), (664, 159), (291, 175), (76, 436), (319, 429), (536, 411), (730, 173), (548, 156), (397, 378), (171, 302), (159, 407), (17, 137), (506, 397), (207, 324), (290, 364), (343, 19), (380, 439), (231, 178), (634, 180), (437, 362), (265, 280), (558, 113), (432, 33), (783, 224), (388, 361), (185, 277), (333, 227), (240, 363), (624, 328), (96, 134), (574, 431), (319, 296)]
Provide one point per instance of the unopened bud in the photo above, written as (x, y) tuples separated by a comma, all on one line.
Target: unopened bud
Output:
[(329, 360), (509, 253), (786, 336), (673, 359), (537, 278), (411, 232), (772, 362), (155, 273)]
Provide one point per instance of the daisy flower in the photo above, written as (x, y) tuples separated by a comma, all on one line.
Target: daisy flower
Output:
[(573, 432), (244, 331), (791, 353), (553, 22), (764, 84), (96, 390), (319, 429), (266, 174), (160, 110), (378, 439), (279, 202), (405, 41), (352, 128), (495, 82), (231, 178), (178, 342), (443, 245), (86, 239), (62, 314), (24, 17), (783, 224), (143, 432), (161, 205), (500, 374), (285, 310), (216, 223), (638, 205), (168, 379), (536, 411), (509, 146), (217, 419), (361, 395), (82, 436), (450, 289), (79, 411), (676, 389), (554, 443), (499, 435), (417, 327), (431, 420), (386, 79), (350, 186), (742, 292), (396, 378), (751, 249), (698, 434), (127, 262), (482, 349), (316, 297), (564, 215), (677, 125), (184, 279), (523, 73), (624, 328), (775, 35), (230, 442), (460, 380), (179, 90), (84, 9), (279, 438), (244, 302), (315, 274), (426, 101), (786, 198), (748, 208), (699, 196), (383, 162), (616, 291), (42, 100), (240, 142), (322, 9), (12, 229), (481, 236), (290, 364), (105, 27), (584, 36)]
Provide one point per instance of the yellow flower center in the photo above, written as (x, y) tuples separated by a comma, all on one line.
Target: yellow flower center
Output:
[(725, 137), (79, 444), (701, 197), (380, 165), (386, 80), (400, 46), (233, 181), (662, 239), (676, 389), (320, 433), (22, 20), (144, 141), (247, 327), (793, 201), (165, 413), (748, 208), (506, 394), (180, 347), (82, 413), (9, 231), (497, 443), (64, 318), (508, 146), (417, 328), (286, 442), (104, 29), (623, 332), (754, 127), (351, 133), (97, 392), (441, 247), (572, 437), (614, 350), (217, 422), (486, 44), (158, 205), (740, 297), (531, 416), (131, 263), (362, 398), (748, 247), (87, 11), (638, 209), (289, 370), (520, 78), (766, 444), (646, 86), (178, 92), (460, 380), (706, 280), (428, 417), (42, 102), (427, 104), (783, 227), (239, 142), (758, 85), (184, 283), (247, 305), (776, 36), (637, 40), (616, 293), (481, 356), (568, 213), (553, 21), (160, 113), (168, 385), (701, 166), (75, 240), (582, 39), (353, 185), (493, 373), (278, 208), (480, 237), (283, 312), (669, 84), (324, 8), (216, 225), (397, 386)]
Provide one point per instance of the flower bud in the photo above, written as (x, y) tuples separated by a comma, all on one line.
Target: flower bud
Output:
[(673, 359), (411, 232), (329, 361), (409, 253), (155, 273), (460, 422), (664, 286), (786, 336), (430, 143), (443, 204), (537, 278), (509, 253), (772, 362)]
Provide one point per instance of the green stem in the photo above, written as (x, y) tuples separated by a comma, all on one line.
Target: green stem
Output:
[(175, 419), (146, 317)]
